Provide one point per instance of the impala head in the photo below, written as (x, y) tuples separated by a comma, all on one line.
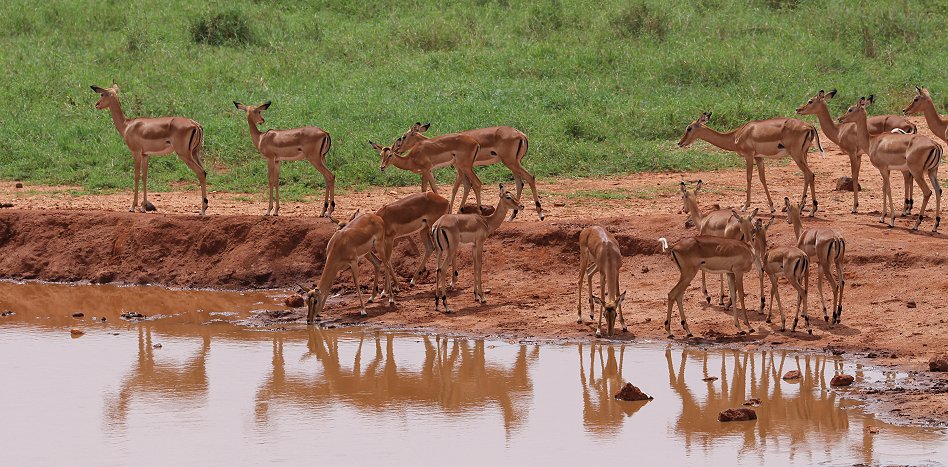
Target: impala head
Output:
[(385, 153), (853, 112), (760, 234), (793, 210), (810, 106), (254, 112), (610, 309), (410, 138), (746, 222), (918, 103), (107, 96), (507, 200), (689, 198), (314, 301), (691, 132)]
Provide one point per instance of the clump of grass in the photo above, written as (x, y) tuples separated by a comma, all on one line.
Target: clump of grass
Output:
[(641, 20), (780, 5), (227, 28), (545, 18)]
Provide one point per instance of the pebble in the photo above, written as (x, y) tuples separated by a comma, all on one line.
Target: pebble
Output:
[(78, 314), (76, 332), (792, 374)]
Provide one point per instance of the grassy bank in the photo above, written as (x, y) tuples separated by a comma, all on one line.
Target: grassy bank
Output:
[(599, 89)]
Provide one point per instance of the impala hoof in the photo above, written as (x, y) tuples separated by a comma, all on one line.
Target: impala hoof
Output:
[(671, 336), (579, 321), (690, 335), (783, 329), (809, 331), (363, 313), (767, 320)]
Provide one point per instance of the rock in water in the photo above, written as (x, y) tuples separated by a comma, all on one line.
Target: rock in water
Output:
[(842, 380), (632, 393), (792, 374), (294, 301), (845, 184), (76, 332), (938, 363), (742, 414), (753, 402)]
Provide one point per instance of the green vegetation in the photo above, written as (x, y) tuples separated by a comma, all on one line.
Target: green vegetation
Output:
[(600, 88)]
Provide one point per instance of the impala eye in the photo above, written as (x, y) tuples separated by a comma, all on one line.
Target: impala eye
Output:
[(809, 101)]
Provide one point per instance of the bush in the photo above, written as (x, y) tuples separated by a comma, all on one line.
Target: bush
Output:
[(228, 28)]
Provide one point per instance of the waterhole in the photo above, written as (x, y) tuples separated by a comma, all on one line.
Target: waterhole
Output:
[(187, 384)]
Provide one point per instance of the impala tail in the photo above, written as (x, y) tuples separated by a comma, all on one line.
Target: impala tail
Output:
[(664, 244)]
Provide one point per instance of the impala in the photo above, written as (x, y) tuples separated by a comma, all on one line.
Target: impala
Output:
[(360, 236), (454, 230), (155, 137), (827, 248), (295, 144), (446, 150), (712, 254), (923, 103), (599, 252), (916, 153), (790, 262), (503, 144), (847, 138), (760, 139), (726, 223)]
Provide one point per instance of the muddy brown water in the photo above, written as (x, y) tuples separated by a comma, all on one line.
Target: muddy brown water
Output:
[(216, 392)]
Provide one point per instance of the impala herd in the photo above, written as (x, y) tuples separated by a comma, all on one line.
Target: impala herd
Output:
[(728, 242)]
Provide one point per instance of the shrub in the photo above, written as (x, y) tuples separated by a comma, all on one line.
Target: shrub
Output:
[(228, 28)]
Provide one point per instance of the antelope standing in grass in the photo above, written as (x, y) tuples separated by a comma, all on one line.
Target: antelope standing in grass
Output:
[(827, 248), (276, 146), (360, 236), (726, 223), (453, 149), (923, 103), (847, 138), (712, 254), (763, 139), (790, 262), (916, 153), (454, 230), (503, 144), (155, 137), (599, 252)]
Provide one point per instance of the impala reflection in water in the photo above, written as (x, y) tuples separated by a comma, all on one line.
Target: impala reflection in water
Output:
[(216, 392)]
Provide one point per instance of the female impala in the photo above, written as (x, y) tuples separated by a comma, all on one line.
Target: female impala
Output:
[(454, 230), (446, 150), (916, 153), (155, 137), (760, 139), (923, 103), (790, 262), (296, 144), (846, 137), (599, 252), (827, 247), (503, 144), (363, 234)]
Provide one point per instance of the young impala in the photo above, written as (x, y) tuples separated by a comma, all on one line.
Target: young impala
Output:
[(503, 144), (599, 252), (916, 153), (360, 236), (923, 103), (713, 254), (454, 230), (790, 262), (155, 137), (846, 137), (827, 248), (296, 144), (763, 139)]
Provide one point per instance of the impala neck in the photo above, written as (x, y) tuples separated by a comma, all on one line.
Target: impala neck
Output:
[(862, 130), (797, 226), (935, 122), (404, 162), (829, 127), (494, 220), (118, 117), (254, 132), (694, 212), (722, 140)]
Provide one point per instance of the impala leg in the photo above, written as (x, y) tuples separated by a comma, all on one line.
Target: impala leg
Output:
[(739, 279), (145, 202), (704, 287), (676, 294), (271, 176), (589, 278), (775, 295), (354, 268), (821, 271), (429, 247), (750, 175), (439, 272), (329, 195), (721, 293), (454, 191), (732, 286), (885, 193), (276, 189), (763, 181), (806, 292), (933, 176), (583, 263), (388, 247), (841, 284), (919, 177), (519, 182), (376, 263), (854, 163), (773, 291), (909, 202), (195, 166), (478, 268), (138, 174), (389, 276)]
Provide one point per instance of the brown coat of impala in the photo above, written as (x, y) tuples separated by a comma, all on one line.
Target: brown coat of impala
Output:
[(413, 213), (827, 247), (503, 144), (156, 137), (923, 103), (308, 142), (845, 136), (763, 139), (454, 230), (452, 149), (360, 236), (916, 153), (599, 252), (712, 254), (790, 262), (725, 223)]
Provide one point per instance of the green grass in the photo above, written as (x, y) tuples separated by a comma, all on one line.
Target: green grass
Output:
[(600, 89), (599, 194)]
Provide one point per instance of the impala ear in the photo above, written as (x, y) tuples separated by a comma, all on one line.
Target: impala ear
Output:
[(831, 94), (424, 127), (240, 106), (115, 85), (771, 221), (683, 188), (97, 89), (598, 300), (735, 214), (265, 105), (502, 189), (754, 214), (870, 99), (698, 186), (375, 146), (621, 298), (758, 223), (301, 290)]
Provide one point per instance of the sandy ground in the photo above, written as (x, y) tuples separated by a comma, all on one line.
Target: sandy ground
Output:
[(896, 289)]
